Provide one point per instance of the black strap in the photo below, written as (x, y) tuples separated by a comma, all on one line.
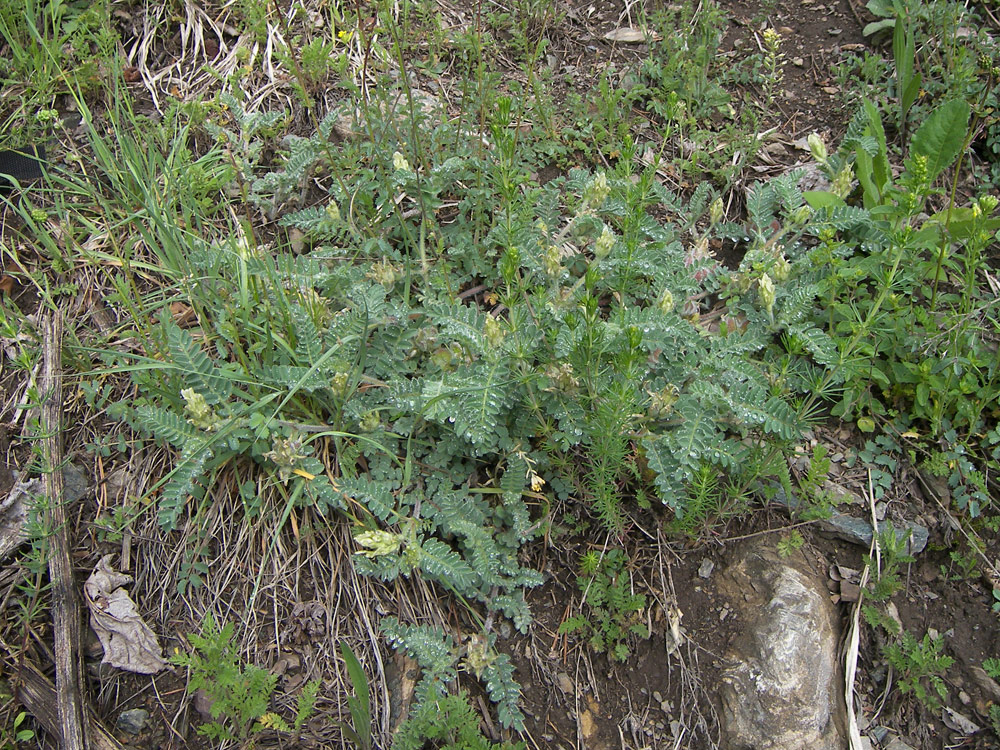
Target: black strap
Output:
[(24, 166)]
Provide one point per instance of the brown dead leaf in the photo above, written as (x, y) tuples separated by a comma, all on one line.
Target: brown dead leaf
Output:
[(183, 314), (14, 515), (128, 641), (630, 35)]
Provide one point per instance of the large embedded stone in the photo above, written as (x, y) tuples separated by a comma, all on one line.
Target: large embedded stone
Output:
[(781, 688)]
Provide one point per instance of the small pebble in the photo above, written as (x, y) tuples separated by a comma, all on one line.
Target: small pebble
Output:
[(798, 62), (133, 721), (564, 682)]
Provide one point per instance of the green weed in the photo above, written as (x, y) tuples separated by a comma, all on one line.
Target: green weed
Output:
[(613, 613), (920, 665), (359, 731), (239, 695), (791, 543), (17, 733)]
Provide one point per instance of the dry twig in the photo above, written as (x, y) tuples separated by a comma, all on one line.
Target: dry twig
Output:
[(65, 607)]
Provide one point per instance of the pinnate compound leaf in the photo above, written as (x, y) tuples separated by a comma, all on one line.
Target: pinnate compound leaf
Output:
[(166, 425), (504, 692), (377, 497), (197, 370), (182, 485), (442, 563), (433, 649)]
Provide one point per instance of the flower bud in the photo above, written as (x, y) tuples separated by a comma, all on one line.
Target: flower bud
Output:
[(843, 183), (818, 149), (801, 215), (596, 192), (988, 204), (666, 303), (493, 332), (772, 40), (715, 211), (551, 261), (339, 384), (370, 421), (201, 414), (781, 268), (602, 248), (378, 543), (765, 289), (918, 169)]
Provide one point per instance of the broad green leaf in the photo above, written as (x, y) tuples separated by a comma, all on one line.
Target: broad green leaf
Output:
[(362, 701), (876, 26), (941, 136), (863, 169), (902, 52), (881, 8), (818, 199), (963, 223), (910, 92)]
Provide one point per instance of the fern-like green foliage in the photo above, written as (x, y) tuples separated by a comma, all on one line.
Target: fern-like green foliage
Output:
[(478, 563), (449, 722), (611, 612), (196, 369), (240, 696), (920, 665), (438, 656), (453, 338)]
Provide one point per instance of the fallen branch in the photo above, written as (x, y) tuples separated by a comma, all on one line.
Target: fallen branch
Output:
[(37, 694), (65, 608)]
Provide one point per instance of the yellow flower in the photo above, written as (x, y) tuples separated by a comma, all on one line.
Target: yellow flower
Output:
[(378, 543), (399, 162), (536, 482)]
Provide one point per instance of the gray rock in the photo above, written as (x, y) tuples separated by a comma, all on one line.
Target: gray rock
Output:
[(780, 683), (133, 721), (859, 530), (75, 483)]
